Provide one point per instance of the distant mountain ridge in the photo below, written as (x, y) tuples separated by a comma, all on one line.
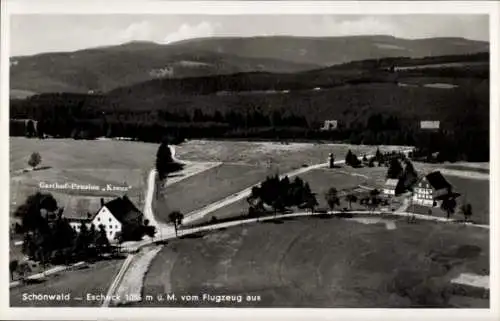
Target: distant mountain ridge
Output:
[(106, 68)]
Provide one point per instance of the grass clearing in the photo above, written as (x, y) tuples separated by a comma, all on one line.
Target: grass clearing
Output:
[(320, 181), (207, 187), (99, 163), (311, 262), (288, 156), (83, 154), (477, 193)]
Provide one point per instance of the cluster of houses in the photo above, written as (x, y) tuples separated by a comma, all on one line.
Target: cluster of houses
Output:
[(427, 191)]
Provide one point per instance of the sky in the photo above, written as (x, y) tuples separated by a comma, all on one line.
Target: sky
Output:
[(32, 34)]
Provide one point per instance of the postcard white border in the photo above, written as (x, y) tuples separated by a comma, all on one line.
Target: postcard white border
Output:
[(252, 7)]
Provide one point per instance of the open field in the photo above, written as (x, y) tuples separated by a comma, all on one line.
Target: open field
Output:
[(345, 181), (246, 164), (93, 280), (475, 192), (320, 180), (82, 154), (321, 262), (287, 156), (115, 167), (207, 187)]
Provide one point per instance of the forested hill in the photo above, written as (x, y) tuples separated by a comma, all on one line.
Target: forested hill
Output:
[(106, 68), (375, 102)]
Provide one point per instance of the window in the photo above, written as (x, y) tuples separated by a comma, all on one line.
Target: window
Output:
[(110, 219), (116, 226), (111, 227), (98, 219)]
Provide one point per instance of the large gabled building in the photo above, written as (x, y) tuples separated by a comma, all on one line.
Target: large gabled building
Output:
[(113, 215), (430, 189)]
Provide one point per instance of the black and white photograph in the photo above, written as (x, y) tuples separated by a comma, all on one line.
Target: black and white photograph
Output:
[(249, 160)]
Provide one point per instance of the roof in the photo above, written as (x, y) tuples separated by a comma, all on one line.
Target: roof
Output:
[(123, 209), (77, 208), (391, 182), (437, 180)]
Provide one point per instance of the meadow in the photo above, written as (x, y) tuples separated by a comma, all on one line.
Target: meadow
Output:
[(126, 164), (344, 178), (244, 164), (322, 262)]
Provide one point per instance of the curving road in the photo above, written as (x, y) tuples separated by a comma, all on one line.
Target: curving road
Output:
[(165, 232)]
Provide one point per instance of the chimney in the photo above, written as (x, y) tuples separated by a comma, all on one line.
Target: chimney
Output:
[(102, 202)]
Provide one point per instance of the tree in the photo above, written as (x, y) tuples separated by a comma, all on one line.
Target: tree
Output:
[(351, 159), (448, 205), (407, 179), (29, 246), (331, 160), (13, 265), (466, 211), (311, 202), (351, 198), (40, 130), (35, 160), (30, 212), (83, 241), (331, 198), (278, 204), (348, 157), (163, 159), (395, 169), (374, 199), (175, 218), (378, 155), (102, 242), (23, 269), (30, 128)]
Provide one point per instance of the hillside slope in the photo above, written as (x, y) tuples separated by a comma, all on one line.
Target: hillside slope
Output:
[(106, 68), (334, 50), (103, 69)]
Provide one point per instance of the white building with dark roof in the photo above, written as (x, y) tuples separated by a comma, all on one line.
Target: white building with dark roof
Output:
[(112, 215), (390, 187), (430, 189)]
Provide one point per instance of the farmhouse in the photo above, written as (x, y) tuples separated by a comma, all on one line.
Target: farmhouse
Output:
[(430, 189), (390, 187), (113, 215)]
